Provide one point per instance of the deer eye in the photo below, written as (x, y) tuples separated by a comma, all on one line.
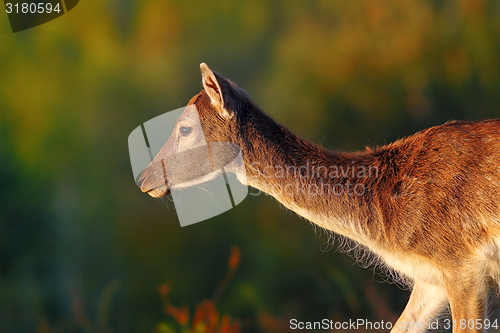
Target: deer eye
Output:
[(185, 131)]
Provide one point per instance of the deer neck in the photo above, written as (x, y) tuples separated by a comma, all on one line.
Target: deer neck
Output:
[(328, 188)]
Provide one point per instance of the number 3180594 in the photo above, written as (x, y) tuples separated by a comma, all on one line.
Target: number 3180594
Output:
[(32, 8)]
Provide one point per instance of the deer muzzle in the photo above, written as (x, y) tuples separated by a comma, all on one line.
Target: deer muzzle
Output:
[(185, 169)]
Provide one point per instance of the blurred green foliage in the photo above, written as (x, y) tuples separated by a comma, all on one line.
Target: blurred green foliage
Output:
[(83, 250)]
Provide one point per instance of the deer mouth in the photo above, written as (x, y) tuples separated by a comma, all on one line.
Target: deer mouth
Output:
[(158, 192), (154, 191)]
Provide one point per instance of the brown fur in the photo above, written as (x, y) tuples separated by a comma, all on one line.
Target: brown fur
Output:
[(429, 209)]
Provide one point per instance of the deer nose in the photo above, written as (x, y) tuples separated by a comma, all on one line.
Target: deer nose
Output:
[(140, 181)]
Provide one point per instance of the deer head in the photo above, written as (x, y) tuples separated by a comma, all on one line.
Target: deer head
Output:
[(204, 142)]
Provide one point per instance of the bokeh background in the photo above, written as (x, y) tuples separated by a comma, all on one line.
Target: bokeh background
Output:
[(83, 250)]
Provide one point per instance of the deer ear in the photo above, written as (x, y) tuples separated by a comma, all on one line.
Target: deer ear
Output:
[(212, 85)]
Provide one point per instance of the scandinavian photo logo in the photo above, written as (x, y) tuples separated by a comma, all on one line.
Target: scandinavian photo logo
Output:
[(170, 156)]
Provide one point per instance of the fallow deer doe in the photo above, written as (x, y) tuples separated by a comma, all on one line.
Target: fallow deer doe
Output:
[(427, 206)]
